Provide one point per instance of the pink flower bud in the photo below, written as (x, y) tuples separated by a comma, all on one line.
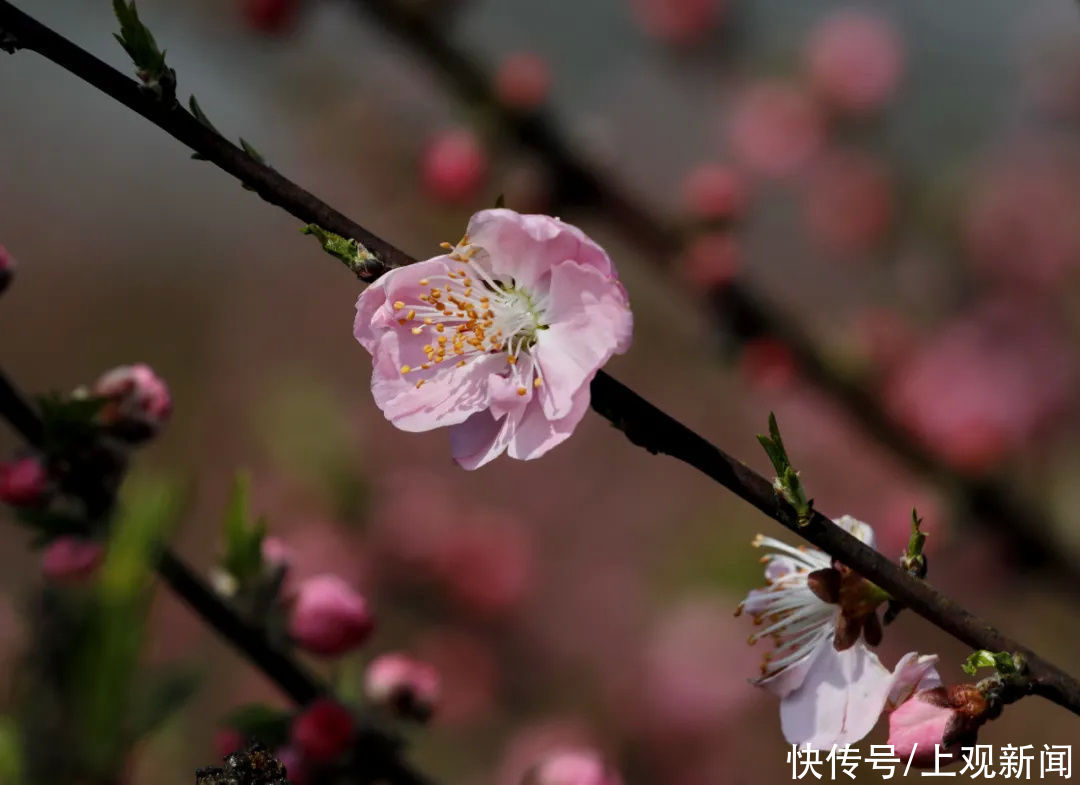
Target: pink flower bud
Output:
[(679, 22), (767, 364), (71, 559), (407, 686), (137, 401), (715, 191), (323, 731), (329, 617), (296, 768), (23, 482), (270, 16), (573, 767), (712, 259), (775, 129), (848, 205), (944, 716), (855, 60), (522, 81), (454, 167), (7, 268), (277, 553)]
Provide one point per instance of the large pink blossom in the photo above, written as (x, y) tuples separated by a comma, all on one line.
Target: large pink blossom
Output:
[(830, 694), (499, 338)]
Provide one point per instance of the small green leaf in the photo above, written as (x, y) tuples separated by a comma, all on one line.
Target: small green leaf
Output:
[(1002, 661), (250, 150), (264, 724), (200, 115), (139, 43), (243, 538), (353, 254), (787, 481)]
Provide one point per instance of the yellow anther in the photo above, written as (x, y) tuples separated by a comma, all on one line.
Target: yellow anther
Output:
[(461, 364), (512, 359), (428, 320), (419, 384), (406, 368), (447, 246), (417, 330), (411, 314), (522, 391), (423, 281), (398, 305), (537, 381)]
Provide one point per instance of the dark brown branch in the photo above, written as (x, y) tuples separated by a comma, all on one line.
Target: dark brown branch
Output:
[(657, 432), (988, 501)]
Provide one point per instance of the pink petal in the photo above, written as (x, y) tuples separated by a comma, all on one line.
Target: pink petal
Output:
[(535, 434), (526, 247), (374, 307), (913, 674), (449, 395), (503, 389), (786, 681), (840, 699), (479, 439), (589, 321)]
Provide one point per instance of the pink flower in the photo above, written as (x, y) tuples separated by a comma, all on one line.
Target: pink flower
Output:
[(832, 687), (1018, 224), (403, 684), (573, 767), (985, 385), (454, 167), (680, 22), (71, 559), (712, 259), (522, 81), (848, 205), (323, 731), (714, 191), (24, 482), (855, 60), (137, 401), (329, 617), (945, 717), (498, 339), (767, 364), (775, 129), (270, 16)]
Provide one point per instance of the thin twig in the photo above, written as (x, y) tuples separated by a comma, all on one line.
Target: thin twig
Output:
[(652, 429), (988, 501)]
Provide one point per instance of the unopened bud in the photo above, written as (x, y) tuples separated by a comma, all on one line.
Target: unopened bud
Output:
[(573, 767), (405, 686), (329, 617), (948, 717), (323, 731), (71, 559), (24, 482), (137, 402)]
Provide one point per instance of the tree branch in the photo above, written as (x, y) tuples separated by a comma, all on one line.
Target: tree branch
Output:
[(988, 501), (643, 423)]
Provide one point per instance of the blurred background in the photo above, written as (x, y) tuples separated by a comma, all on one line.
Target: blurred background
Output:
[(899, 180)]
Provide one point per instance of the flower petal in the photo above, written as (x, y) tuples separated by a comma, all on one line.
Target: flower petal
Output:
[(913, 673), (535, 434), (480, 439), (856, 528), (840, 699), (526, 247), (589, 320)]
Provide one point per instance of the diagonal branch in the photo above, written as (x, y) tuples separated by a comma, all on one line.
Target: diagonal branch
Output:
[(643, 423), (988, 501)]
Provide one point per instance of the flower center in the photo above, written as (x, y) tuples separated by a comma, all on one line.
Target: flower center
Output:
[(468, 313)]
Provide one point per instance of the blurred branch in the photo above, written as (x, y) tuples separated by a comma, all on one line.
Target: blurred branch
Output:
[(989, 501), (381, 759), (650, 428)]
